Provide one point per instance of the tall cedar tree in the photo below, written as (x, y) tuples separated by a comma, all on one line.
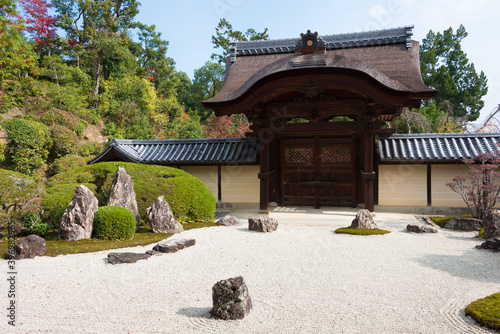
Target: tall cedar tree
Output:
[(39, 23), (445, 66)]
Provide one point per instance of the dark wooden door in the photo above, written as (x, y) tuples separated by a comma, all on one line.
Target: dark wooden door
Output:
[(318, 171)]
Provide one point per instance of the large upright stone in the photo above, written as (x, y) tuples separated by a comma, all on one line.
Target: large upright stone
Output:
[(161, 218), (464, 224), (77, 221), (492, 224), (28, 248), (231, 300), (122, 193), (364, 219)]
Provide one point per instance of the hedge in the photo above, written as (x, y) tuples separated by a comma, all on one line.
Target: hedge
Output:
[(188, 197)]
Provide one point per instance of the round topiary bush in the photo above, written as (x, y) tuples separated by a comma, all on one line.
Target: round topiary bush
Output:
[(189, 198), (113, 222)]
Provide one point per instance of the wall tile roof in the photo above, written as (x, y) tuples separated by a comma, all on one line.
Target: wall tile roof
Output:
[(435, 147), (222, 151)]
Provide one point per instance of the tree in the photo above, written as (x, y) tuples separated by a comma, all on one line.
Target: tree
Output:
[(39, 23), (16, 55), (224, 34), (207, 82), (445, 66), (233, 126), (479, 189)]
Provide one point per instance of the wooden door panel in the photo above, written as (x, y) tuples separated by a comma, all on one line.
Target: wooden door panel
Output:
[(319, 171)]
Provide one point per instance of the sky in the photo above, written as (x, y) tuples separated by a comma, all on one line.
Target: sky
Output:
[(189, 24)]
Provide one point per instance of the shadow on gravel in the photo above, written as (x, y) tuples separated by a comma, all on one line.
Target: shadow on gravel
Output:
[(196, 312), (473, 264)]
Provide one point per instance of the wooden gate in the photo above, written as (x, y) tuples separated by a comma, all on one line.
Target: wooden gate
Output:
[(318, 172)]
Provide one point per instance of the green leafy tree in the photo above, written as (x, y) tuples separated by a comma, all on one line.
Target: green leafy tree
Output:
[(207, 82), (224, 34), (445, 66), (16, 54)]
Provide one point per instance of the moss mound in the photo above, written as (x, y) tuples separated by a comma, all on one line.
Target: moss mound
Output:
[(486, 311), (113, 222), (188, 197), (361, 231), (442, 221)]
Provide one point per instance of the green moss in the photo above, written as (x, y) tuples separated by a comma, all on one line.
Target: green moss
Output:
[(442, 221), (481, 233), (188, 197), (361, 231), (486, 311), (113, 222)]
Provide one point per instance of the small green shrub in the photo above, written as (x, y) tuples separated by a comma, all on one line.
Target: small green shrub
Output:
[(66, 163), (361, 231), (33, 224), (481, 233), (113, 222), (90, 149), (64, 141), (486, 311), (28, 145)]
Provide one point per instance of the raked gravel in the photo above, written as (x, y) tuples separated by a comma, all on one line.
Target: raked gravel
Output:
[(302, 279)]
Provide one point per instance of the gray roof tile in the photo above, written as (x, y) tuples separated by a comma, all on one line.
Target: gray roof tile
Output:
[(435, 147), (183, 151)]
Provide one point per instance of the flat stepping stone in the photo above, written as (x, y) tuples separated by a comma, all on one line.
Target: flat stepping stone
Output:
[(117, 258), (421, 228), (172, 246)]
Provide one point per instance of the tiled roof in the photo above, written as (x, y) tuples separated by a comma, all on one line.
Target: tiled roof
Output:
[(332, 42), (434, 147), (182, 152)]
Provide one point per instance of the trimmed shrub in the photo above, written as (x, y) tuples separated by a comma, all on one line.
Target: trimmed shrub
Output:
[(188, 197), (113, 222), (28, 144), (66, 163), (58, 216), (64, 141)]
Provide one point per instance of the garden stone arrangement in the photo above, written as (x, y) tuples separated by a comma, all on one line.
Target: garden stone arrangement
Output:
[(28, 248), (228, 221), (161, 218), (77, 221), (421, 228), (122, 193), (464, 224), (231, 300), (492, 224), (364, 219), (262, 224)]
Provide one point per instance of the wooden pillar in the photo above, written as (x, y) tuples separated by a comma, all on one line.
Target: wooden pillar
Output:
[(265, 138), (368, 172)]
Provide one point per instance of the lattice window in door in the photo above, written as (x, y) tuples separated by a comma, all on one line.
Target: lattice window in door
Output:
[(336, 155), (299, 155)]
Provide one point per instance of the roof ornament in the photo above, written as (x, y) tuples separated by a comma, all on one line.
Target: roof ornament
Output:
[(310, 42)]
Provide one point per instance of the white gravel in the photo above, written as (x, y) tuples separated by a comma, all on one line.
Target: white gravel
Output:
[(302, 279)]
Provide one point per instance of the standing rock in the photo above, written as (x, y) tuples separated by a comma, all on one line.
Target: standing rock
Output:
[(364, 219), (421, 228), (122, 193), (492, 224), (161, 218), (228, 221), (28, 248), (262, 224), (77, 220), (464, 224), (231, 300)]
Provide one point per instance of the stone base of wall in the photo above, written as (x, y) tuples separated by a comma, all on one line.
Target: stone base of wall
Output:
[(426, 210)]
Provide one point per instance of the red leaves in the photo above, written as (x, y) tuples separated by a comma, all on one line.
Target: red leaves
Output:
[(39, 23)]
